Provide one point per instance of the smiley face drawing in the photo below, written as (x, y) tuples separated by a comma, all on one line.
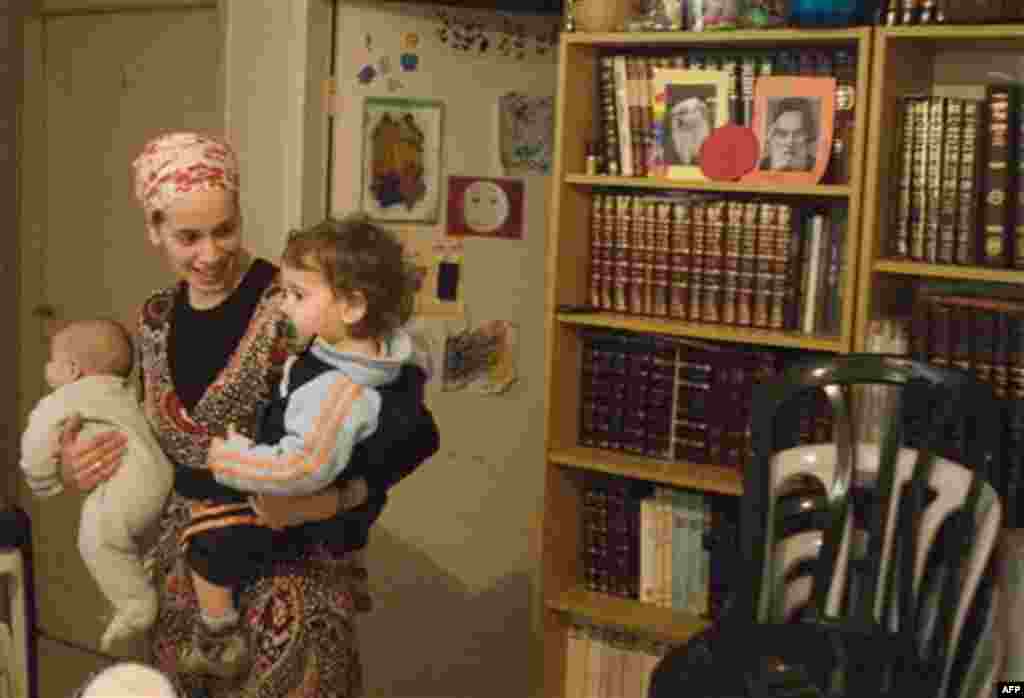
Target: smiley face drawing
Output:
[(485, 207)]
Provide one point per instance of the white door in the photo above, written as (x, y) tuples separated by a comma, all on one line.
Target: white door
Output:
[(103, 84)]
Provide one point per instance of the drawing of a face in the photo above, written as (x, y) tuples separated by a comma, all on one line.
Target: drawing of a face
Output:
[(485, 206)]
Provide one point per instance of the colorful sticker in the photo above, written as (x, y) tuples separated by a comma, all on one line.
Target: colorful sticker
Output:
[(512, 39), (367, 74), (410, 41), (410, 61)]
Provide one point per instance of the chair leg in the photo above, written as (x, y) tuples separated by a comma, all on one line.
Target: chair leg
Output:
[(16, 565)]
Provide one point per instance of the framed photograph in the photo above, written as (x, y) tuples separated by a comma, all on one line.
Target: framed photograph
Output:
[(401, 159), (687, 106), (709, 15), (793, 120)]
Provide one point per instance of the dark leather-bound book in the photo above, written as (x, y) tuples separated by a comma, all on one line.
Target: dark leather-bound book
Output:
[(680, 240), (949, 194), (660, 258), (598, 248), (934, 176), (698, 228), (731, 262), (595, 538), (919, 185), (845, 69), (971, 163), (899, 242), (649, 224), (997, 183), (694, 386), (764, 264), (608, 114), (746, 275), (622, 253), (637, 290), (712, 275), (610, 240), (1017, 203), (784, 315)]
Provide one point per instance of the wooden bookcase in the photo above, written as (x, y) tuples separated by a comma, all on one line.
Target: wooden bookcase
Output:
[(907, 60), (567, 463)]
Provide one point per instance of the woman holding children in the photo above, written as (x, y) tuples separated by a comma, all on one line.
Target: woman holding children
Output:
[(214, 350)]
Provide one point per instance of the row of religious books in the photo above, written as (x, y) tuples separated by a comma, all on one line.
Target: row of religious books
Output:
[(731, 260), (626, 93), (893, 12), (654, 544), (983, 335), (604, 662), (960, 176), (678, 399)]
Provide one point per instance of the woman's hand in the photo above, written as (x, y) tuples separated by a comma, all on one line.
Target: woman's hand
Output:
[(281, 511), (85, 464)]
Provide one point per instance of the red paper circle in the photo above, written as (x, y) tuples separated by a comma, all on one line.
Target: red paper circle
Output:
[(728, 153)]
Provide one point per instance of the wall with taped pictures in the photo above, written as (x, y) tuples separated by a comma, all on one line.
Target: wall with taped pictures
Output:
[(425, 93)]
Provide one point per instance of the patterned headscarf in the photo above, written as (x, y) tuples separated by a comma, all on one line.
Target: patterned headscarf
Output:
[(183, 161)]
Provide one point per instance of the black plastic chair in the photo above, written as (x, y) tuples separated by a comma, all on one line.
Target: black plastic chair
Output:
[(863, 584)]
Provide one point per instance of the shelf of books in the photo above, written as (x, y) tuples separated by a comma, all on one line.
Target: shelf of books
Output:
[(942, 256), (668, 298)]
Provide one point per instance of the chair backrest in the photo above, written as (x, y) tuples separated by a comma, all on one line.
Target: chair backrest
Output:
[(900, 536)]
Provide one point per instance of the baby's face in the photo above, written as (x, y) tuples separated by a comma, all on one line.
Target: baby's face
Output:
[(62, 367)]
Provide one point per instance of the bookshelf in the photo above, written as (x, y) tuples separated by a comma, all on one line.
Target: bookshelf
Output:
[(911, 59), (568, 464)]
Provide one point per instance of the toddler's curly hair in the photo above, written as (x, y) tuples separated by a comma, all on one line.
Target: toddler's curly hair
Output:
[(359, 258)]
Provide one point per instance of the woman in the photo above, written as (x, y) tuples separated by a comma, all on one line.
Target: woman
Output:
[(211, 350)]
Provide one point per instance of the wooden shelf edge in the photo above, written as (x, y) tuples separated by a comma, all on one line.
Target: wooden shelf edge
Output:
[(719, 38), (675, 626), (964, 32), (949, 271), (680, 328), (698, 476), (831, 190)]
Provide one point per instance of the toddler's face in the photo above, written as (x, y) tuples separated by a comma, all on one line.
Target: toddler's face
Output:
[(62, 367)]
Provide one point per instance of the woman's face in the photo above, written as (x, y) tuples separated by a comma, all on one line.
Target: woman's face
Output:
[(201, 237)]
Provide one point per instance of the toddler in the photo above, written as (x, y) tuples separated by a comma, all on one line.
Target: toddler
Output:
[(348, 285)]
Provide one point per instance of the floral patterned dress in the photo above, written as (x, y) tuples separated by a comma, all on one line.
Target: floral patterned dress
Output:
[(301, 613)]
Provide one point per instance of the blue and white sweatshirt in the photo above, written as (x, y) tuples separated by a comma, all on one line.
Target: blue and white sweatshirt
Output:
[(324, 418)]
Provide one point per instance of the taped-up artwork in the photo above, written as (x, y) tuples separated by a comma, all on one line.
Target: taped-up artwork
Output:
[(480, 32), (440, 261), (526, 126), (482, 360), (401, 159)]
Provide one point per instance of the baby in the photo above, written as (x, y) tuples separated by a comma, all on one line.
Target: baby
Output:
[(88, 370)]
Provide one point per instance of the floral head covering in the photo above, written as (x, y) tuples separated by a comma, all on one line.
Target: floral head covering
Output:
[(180, 162)]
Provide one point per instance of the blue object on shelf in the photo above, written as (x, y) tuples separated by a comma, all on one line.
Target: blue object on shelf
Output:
[(831, 13)]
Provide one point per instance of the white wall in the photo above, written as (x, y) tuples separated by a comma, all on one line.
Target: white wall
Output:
[(276, 58), (454, 561)]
